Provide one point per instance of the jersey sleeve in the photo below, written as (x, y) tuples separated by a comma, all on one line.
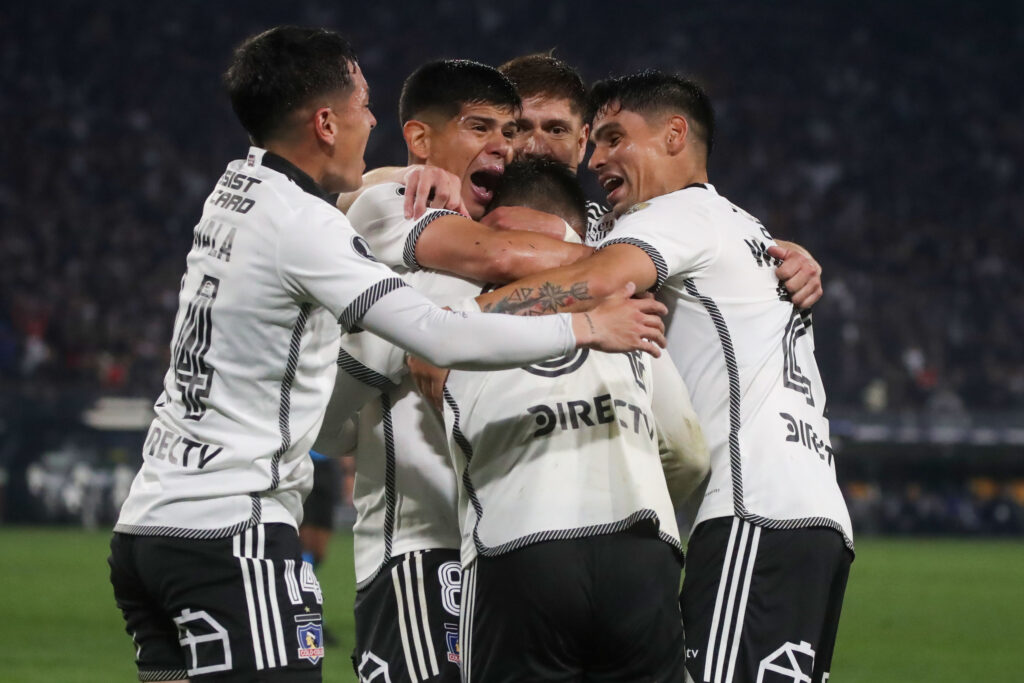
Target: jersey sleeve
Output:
[(322, 260), (379, 216), (676, 234)]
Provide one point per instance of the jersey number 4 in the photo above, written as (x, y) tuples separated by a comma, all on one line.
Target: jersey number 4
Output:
[(192, 375)]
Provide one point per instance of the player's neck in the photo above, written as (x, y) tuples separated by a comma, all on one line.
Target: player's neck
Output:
[(310, 161)]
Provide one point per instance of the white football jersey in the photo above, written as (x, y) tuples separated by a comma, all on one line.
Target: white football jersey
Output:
[(563, 449), (597, 223), (747, 355), (273, 269), (405, 491)]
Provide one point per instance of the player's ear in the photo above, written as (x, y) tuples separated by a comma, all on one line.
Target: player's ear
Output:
[(324, 125), (675, 133), (581, 144), (417, 138)]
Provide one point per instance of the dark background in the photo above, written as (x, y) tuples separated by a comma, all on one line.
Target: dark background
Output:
[(886, 137)]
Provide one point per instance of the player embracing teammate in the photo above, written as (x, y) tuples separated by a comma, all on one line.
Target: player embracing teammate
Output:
[(547, 471)]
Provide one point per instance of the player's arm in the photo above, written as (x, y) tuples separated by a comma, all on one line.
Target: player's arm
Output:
[(336, 438), (459, 245), (477, 341), (684, 452), (575, 287), (323, 262), (426, 186)]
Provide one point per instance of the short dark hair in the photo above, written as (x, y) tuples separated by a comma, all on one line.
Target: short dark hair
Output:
[(545, 75), (278, 71), (650, 92), (544, 185), (444, 86)]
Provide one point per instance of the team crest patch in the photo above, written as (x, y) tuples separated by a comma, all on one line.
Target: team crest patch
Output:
[(251, 160), (452, 639), (362, 247), (311, 641), (637, 207), (556, 367)]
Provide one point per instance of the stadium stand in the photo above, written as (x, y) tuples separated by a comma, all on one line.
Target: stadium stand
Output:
[(884, 138)]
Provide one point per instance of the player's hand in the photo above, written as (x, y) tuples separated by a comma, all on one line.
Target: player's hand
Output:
[(523, 218), (621, 323), (429, 380), (433, 187), (799, 272)]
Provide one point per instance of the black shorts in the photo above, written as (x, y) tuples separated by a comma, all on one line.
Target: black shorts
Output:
[(243, 608), (602, 608), (318, 509), (762, 605), (407, 620)]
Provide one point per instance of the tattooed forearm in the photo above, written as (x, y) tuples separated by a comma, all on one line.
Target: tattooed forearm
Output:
[(550, 297)]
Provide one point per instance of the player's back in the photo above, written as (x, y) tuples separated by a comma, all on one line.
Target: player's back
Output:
[(564, 449)]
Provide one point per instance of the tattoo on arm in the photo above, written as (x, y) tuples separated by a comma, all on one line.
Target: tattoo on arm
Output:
[(550, 297)]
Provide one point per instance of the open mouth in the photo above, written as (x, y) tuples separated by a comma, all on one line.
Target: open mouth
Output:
[(611, 184), (484, 183)]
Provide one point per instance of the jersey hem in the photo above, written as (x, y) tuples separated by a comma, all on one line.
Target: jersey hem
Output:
[(195, 534), (788, 524), (638, 517)]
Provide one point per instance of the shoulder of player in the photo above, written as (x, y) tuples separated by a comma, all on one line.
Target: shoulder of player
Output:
[(382, 194)]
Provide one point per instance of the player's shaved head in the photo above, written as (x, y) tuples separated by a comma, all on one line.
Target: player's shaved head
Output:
[(280, 71), (544, 185), (544, 75), (651, 93), (440, 89)]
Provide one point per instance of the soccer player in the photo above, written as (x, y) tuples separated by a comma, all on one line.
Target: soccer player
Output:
[(554, 125), (205, 558), (563, 469), (459, 116), (772, 547)]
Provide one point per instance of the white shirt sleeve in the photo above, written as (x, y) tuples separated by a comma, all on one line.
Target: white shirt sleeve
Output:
[(467, 341), (321, 260), (674, 230), (684, 452), (379, 216)]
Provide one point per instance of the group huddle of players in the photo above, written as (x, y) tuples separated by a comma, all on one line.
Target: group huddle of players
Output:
[(515, 516)]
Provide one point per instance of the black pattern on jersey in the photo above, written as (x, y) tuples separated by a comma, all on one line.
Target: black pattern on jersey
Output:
[(364, 374), (643, 515), (733, 371), (636, 364), (659, 262), (792, 376), (192, 374), (168, 675), (597, 229), (735, 461), (255, 516), (556, 367), (362, 303), (409, 252), (390, 492), (284, 412)]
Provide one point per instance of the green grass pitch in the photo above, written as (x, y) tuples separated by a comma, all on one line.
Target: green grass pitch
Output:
[(916, 610)]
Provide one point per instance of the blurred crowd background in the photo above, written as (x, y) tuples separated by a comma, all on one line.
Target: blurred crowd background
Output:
[(886, 137)]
